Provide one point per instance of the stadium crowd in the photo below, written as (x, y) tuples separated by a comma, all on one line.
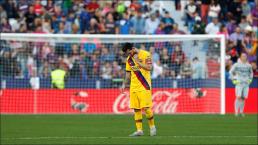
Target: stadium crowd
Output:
[(236, 19)]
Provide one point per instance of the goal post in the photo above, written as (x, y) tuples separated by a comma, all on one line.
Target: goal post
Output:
[(188, 75)]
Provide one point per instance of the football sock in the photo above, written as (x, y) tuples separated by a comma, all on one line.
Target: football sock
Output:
[(236, 106), (149, 116), (138, 119), (242, 105)]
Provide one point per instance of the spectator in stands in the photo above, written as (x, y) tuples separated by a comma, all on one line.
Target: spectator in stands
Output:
[(110, 24), (105, 55), (164, 57), (75, 29), (52, 57), (224, 31), (254, 16), (138, 23), (231, 25), (243, 24), (124, 25), (167, 72), (177, 59), (93, 29), (236, 36), (214, 10), (76, 70), (89, 17), (3, 14), (44, 70), (39, 29), (55, 24), (255, 68), (246, 9), (157, 70), (229, 64), (23, 29), (199, 26), (37, 7), (84, 19), (8, 65), (93, 5), (61, 29), (233, 53), (96, 65), (213, 66), (155, 55), (151, 24), (247, 43), (34, 79), (191, 11), (168, 23), (198, 69), (213, 27), (121, 8), (11, 9), (5, 26), (50, 6), (205, 9), (30, 17), (160, 29), (186, 69), (46, 25), (116, 70), (176, 30), (106, 71)]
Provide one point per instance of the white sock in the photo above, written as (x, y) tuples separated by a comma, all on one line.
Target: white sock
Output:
[(153, 127), (236, 106), (242, 105)]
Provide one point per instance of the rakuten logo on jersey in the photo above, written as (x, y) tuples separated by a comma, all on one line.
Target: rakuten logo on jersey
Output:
[(164, 102)]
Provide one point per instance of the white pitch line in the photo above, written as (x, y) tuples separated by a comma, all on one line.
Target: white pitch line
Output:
[(118, 137)]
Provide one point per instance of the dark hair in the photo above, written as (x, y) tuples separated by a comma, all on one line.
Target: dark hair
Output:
[(243, 17), (195, 58), (221, 27), (127, 46)]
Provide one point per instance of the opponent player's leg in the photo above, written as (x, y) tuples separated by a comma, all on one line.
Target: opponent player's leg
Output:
[(150, 117), (243, 98), (238, 91)]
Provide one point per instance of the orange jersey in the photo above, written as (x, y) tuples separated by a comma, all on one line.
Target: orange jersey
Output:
[(140, 78)]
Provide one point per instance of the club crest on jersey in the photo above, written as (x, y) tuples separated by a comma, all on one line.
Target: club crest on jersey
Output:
[(135, 68)]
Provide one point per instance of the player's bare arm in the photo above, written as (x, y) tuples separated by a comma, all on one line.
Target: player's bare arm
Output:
[(126, 82)]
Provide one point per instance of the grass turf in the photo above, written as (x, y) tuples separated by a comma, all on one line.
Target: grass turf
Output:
[(114, 129)]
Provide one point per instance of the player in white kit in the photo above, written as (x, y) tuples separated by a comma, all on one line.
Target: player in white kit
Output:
[(241, 74)]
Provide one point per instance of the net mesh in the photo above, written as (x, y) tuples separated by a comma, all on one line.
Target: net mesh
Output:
[(186, 73)]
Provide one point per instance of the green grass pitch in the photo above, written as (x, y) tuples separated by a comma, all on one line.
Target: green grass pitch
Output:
[(114, 129)]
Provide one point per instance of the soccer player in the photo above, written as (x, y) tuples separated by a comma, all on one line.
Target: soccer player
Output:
[(241, 74), (138, 74)]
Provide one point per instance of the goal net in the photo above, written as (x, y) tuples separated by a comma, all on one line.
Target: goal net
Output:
[(187, 75)]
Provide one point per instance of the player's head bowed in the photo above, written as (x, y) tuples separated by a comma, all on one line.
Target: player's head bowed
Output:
[(128, 49)]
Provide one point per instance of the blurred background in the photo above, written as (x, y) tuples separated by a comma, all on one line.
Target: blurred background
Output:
[(236, 19)]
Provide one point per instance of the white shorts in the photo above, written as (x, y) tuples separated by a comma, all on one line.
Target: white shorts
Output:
[(242, 91)]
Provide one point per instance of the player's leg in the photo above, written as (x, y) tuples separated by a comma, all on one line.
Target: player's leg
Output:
[(238, 91), (150, 117), (138, 119), (146, 103), (134, 104), (243, 97)]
